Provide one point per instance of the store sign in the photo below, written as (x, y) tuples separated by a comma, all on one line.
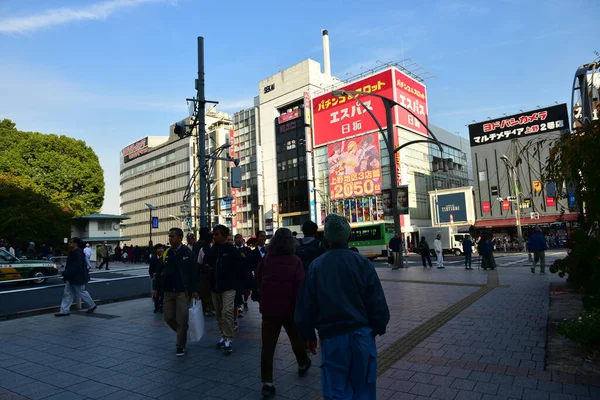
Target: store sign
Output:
[(506, 205), (233, 190), (550, 202), (555, 118), (452, 208), (289, 116), (269, 88), (412, 95), (288, 126), (485, 206), (135, 150), (537, 186), (336, 118), (354, 167)]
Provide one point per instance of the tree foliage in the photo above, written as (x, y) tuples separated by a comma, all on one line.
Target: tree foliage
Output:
[(66, 170), (45, 180)]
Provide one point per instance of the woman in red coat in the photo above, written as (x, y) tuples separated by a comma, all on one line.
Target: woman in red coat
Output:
[(279, 277)]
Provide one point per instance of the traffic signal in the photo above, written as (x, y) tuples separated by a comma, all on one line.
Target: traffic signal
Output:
[(179, 131)]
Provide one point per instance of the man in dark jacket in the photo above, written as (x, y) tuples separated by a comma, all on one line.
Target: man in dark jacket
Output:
[(309, 247), (224, 263), (254, 258), (395, 246), (537, 245), (467, 245), (75, 275), (155, 270), (180, 282), (343, 299)]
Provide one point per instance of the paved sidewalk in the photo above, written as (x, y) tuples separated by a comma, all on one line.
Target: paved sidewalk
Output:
[(453, 334)]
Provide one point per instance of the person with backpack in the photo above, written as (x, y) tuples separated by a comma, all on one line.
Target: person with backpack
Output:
[(309, 247)]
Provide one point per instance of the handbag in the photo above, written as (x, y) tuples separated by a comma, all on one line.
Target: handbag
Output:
[(196, 323)]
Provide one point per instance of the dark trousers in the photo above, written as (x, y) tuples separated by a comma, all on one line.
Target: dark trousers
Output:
[(271, 328), (104, 261), (158, 299), (468, 259), (424, 257)]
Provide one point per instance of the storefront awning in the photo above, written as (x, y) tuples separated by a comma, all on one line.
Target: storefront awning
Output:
[(510, 222)]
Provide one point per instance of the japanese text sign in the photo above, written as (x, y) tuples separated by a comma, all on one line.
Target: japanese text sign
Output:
[(354, 167), (336, 118), (555, 118), (485, 206), (506, 205), (135, 150), (412, 95), (233, 190), (550, 202)]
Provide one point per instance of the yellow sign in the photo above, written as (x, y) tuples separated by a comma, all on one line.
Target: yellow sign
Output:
[(537, 186)]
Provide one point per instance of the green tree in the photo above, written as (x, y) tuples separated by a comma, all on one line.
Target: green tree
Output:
[(27, 214), (65, 170)]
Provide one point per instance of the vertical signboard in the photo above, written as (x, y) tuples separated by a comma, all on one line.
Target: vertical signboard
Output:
[(233, 190), (412, 95), (401, 200), (452, 208), (354, 167), (275, 212), (485, 206)]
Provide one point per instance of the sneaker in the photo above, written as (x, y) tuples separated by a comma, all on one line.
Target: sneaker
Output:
[(227, 347), (303, 370), (245, 306), (180, 352), (268, 390), (220, 344), (240, 313), (235, 325), (91, 310), (533, 270)]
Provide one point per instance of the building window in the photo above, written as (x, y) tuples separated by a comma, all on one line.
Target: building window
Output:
[(105, 226)]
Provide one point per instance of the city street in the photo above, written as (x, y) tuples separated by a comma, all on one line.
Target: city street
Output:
[(122, 281), (453, 334)]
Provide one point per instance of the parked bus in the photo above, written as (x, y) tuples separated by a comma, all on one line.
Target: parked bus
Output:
[(371, 239)]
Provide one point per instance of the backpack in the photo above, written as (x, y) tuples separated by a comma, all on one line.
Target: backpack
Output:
[(307, 252)]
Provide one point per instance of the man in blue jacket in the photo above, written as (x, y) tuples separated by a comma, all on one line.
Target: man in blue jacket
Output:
[(76, 276), (467, 245), (343, 299), (537, 245)]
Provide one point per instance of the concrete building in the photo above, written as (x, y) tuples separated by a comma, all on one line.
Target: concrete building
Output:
[(97, 229), (158, 171), (513, 141)]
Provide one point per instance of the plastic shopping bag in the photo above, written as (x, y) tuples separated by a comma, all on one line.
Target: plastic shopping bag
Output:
[(196, 324)]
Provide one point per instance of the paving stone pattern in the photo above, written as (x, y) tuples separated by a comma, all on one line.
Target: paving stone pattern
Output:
[(478, 341)]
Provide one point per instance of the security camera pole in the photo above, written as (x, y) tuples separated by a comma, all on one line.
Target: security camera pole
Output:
[(388, 138)]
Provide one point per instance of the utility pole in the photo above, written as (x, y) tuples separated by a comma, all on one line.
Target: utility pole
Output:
[(513, 172), (201, 121)]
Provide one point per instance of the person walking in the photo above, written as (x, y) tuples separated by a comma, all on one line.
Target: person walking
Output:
[(439, 251), (205, 243), (485, 248), (309, 247), (246, 277), (88, 255), (396, 246), (105, 252), (279, 277), (155, 270), (343, 300), (180, 281), (467, 245), (538, 246), (425, 252), (254, 258), (31, 252), (76, 276), (223, 262)]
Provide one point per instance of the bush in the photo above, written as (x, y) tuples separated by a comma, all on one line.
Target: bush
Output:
[(582, 265), (583, 330)]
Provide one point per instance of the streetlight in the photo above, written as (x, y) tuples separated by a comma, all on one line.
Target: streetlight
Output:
[(389, 104), (512, 170), (152, 208)]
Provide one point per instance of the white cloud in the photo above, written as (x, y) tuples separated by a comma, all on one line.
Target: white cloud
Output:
[(59, 16)]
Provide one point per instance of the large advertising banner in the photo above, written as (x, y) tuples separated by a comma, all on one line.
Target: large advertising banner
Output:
[(354, 167), (401, 200), (233, 190), (452, 208), (336, 118), (412, 95), (555, 118), (135, 150)]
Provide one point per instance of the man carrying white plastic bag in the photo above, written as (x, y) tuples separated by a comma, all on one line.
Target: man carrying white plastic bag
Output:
[(196, 324)]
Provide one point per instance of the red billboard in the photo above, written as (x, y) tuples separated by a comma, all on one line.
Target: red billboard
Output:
[(354, 167), (485, 206), (337, 118), (412, 95), (506, 205)]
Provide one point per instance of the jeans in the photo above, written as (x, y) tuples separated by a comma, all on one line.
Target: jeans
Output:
[(539, 256), (396, 259), (223, 303), (468, 259), (176, 310), (349, 366), (71, 292), (271, 328)]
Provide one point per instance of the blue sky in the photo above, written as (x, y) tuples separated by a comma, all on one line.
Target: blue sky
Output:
[(112, 71)]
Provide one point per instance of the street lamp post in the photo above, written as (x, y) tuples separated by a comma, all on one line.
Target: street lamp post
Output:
[(389, 142), (151, 208), (512, 170)]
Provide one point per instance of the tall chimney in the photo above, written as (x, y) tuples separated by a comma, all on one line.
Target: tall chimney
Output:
[(326, 56)]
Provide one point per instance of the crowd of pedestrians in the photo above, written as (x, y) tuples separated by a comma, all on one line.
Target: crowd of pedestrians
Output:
[(302, 285)]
